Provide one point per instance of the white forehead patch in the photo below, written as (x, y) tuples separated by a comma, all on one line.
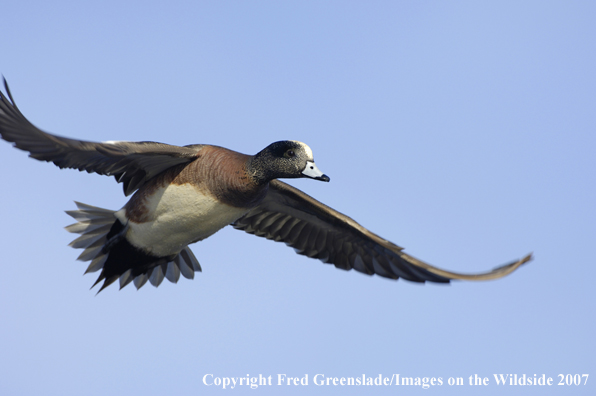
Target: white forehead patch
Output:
[(307, 149)]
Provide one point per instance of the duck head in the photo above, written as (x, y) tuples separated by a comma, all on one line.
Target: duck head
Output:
[(285, 159)]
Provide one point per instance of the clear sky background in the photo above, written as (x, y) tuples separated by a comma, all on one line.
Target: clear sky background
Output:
[(463, 131)]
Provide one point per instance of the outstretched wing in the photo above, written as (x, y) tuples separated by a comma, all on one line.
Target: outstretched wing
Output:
[(318, 231), (131, 163)]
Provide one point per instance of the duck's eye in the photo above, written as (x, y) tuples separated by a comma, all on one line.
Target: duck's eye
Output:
[(290, 153)]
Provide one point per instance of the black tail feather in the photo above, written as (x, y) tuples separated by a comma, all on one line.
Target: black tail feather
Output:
[(117, 258)]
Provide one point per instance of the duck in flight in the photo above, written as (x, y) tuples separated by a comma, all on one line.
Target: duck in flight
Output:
[(182, 195)]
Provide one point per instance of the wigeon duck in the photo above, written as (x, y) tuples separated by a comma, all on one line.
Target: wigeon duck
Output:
[(183, 195)]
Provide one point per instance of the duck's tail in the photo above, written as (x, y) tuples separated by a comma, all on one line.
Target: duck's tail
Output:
[(104, 243)]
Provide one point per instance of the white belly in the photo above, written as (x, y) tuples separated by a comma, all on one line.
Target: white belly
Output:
[(179, 215)]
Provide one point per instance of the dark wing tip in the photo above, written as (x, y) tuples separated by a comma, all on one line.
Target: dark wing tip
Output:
[(510, 267), (496, 273), (8, 91)]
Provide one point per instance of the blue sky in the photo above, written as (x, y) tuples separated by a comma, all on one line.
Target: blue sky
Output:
[(463, 131)]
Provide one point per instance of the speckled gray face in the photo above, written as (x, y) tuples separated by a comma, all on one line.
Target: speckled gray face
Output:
[(313, 172), (284, 159)]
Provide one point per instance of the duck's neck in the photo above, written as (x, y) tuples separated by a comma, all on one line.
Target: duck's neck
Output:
[(231, 177)]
